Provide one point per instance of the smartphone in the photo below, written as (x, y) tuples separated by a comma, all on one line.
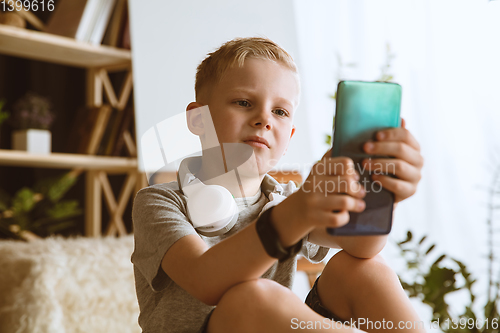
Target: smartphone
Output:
[(362, 109)]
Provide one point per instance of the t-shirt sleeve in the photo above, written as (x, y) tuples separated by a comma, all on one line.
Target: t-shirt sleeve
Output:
[(313, 252), (159, 219)]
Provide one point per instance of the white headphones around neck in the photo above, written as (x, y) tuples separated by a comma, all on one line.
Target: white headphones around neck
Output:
[(211, 208)]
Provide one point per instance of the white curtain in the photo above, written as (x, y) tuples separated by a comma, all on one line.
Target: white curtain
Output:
[(447, 59)]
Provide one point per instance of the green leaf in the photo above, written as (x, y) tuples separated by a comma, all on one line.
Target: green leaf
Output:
[(64, 209), (489, 309), (413, 264), (54, 188), (23, 201), (408, 238), (430, 248), (467, 276), (439, 282), (439, 260), (328, 139)]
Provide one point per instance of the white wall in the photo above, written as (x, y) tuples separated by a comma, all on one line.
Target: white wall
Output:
[(447, 59)]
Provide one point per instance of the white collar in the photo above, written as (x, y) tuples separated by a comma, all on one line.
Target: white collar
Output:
[(190, 165)]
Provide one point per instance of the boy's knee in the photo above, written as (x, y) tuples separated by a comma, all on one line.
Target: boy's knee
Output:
[(252, 293), (348, 270), (241, 304)]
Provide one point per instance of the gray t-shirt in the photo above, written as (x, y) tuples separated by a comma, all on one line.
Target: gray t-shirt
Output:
[(160, 219)]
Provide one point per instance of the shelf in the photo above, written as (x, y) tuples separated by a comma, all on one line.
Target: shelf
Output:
[(61, 50), (67, 161)]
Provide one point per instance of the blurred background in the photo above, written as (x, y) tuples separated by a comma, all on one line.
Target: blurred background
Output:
[(98, 76)]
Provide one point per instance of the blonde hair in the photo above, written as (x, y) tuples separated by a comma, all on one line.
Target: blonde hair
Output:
[(234, 52)]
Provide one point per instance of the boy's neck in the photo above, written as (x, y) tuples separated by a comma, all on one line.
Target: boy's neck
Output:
[(239, 184)]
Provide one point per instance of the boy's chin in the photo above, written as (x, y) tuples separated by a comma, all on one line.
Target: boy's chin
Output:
[(256, 170), (248, 171), (249, 161)]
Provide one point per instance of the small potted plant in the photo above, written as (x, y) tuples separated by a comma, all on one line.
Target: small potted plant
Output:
[(32, 117)]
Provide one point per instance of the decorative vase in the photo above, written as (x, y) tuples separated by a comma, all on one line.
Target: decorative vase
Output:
[(36, 141)]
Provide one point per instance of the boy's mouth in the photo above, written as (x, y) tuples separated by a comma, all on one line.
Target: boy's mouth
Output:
[(257, 141)]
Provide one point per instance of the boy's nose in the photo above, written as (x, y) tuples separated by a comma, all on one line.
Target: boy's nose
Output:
[(266, 125), (263, 120)]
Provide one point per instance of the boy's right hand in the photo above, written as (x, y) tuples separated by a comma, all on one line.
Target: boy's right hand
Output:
[(327, 195)]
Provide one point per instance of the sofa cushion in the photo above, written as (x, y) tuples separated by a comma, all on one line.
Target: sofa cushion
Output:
[(61, 284)]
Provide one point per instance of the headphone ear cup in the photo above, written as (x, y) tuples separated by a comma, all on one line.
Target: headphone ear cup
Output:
[(212, 210)]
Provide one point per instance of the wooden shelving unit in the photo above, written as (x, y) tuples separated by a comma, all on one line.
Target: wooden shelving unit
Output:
[(98, 60), (67, 161), (61, 50)]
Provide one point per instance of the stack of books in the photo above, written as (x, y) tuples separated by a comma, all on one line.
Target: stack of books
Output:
[(92, 21), (100, 131)]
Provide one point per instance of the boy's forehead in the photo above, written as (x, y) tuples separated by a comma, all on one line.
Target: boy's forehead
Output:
[(258, 66), (256, 74)]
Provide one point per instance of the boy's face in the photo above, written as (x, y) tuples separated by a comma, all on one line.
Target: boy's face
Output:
[(256, 103)]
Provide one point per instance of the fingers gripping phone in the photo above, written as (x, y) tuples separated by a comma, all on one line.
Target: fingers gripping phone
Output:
[(362, 109)]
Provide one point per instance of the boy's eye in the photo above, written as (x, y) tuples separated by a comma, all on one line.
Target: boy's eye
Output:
[(243, 103), (281, 112)]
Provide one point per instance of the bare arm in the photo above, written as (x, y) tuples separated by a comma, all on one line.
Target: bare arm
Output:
[(207, 273)]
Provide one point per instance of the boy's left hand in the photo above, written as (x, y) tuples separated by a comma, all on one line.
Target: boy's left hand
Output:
[(406, 166)]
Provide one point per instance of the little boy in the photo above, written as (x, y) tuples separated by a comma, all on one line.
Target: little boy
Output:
[(240, 281)]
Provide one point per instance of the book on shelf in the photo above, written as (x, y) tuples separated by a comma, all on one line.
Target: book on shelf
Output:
[(88, 129), (84, 20), (88, 19), (125, 38), (125, 124), (108, 132), (78, 127), (92, 141), (112, 141), (66, 18), (101, 22), (113, 133), (116, 24)]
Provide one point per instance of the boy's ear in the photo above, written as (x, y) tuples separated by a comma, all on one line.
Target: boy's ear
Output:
[(291, 134), (194, 118), (199, 121)]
